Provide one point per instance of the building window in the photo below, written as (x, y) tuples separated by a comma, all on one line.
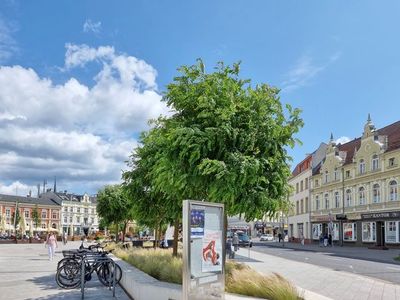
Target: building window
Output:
[(297, 188), (65, 219), (66, 209), (297, 207), (376, 193), (391, 162), (316, 231), (70, 220), (54, 215), (86, 210), (316, 183), (336, 174), (78, 219), (44, 214), (369, 232), (337, 200), (349, 231), (361, 196), (92, 220), (391, 232), (348, 174), (302, 206), (317, 205), (301, 186), (362, 167), (335, 231), (71, 209), (26, 212), (44, 226), (306, 183), (326, 177), (78, 210), (8, 212), (348, 198), (375, 162), (393, 190), (326, 201), (93, 211)]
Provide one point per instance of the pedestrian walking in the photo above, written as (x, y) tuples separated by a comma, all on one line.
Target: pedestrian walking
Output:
[(65, 238), (51, 244), (235, 242), (330, 240), (325, 240), (321, 239), (279, 237)]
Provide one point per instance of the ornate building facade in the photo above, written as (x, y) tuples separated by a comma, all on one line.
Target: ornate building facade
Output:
[(354, 190)]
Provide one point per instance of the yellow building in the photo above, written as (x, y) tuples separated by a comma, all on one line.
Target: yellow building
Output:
[(354, 191)]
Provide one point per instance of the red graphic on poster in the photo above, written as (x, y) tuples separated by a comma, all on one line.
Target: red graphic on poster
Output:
[(212, 251)]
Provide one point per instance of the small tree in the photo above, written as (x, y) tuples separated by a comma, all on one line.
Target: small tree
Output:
[(36, 216), (114, 207)]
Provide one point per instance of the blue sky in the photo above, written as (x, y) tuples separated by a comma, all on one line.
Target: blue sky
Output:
[(336, 60)]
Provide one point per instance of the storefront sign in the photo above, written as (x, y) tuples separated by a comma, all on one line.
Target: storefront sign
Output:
[(381, 215), (325, 218)]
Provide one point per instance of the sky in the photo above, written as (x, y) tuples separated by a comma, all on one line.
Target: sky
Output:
[(80, 80)]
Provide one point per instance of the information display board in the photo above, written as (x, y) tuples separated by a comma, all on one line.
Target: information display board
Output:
[(203, 250)]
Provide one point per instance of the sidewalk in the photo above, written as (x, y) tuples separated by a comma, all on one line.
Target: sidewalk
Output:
[(27, 273), (384, 256), (319, 282)]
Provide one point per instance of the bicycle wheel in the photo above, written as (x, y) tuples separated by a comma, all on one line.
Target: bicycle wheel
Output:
[(105, 272), (68, 276)]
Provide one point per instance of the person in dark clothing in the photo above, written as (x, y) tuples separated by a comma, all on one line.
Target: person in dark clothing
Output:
[(330, 240), (279, 237)]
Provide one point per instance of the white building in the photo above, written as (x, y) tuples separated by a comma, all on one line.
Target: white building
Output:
[(78, 212), (299, 216)]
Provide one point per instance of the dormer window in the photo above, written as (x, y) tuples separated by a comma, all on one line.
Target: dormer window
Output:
[(375, 162), (361, 166)]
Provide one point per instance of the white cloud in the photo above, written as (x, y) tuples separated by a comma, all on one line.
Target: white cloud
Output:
[(342, 140), (91, 26), (18, 188), (80, 133), (305, 70)]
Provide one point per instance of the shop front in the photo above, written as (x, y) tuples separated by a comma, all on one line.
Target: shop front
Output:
[(324, 225), (381, 229)]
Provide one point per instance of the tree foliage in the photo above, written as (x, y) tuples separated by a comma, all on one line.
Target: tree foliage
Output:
[(113, 206), (226, 142), (36, 216)]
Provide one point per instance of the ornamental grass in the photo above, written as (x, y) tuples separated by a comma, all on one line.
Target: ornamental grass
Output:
[(239, 278)]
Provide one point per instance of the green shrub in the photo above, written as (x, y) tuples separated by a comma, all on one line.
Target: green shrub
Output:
[(239, 278)]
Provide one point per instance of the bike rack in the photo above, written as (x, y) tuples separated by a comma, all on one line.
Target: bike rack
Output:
[(93, 258)]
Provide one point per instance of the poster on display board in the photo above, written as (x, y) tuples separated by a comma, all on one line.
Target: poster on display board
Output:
[(196, 223), (212, 251)]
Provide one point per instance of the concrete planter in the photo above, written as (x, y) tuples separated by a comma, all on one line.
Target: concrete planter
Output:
[(141, 286)]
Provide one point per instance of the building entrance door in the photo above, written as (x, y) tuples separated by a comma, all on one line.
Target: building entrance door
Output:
[(380, 233)]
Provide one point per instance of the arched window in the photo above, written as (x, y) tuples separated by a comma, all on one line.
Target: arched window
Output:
[(326, 177), (317, 206), (361, 196), (326, 201), (348, 198), (362, 166), (336, 174), (375, 162), (337, 200), (376, 193), (393, 190)]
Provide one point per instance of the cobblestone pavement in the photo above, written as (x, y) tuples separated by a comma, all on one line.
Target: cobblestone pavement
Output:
[(322, 281), (27, 273)]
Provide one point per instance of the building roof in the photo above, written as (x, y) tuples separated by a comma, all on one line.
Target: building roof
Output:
[(392, 132), (27, 200), (60, 197), (304, 165)]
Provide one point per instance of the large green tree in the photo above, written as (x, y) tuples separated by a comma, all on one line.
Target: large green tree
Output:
[(114, 207), (225, 142)]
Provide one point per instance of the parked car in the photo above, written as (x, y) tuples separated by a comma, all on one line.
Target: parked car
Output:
[(244, 240), (267, 237)]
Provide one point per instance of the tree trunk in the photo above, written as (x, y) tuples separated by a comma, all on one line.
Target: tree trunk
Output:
[(123, 232), (176, 236), (155, 236)]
